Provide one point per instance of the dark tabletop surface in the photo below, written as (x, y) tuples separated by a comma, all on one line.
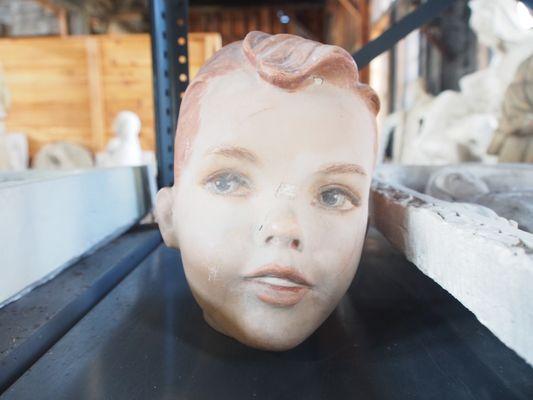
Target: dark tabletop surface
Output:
[(395, 335)]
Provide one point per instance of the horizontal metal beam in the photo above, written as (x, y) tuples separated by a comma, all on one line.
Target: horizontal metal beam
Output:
[(421, 16), (22, 357)]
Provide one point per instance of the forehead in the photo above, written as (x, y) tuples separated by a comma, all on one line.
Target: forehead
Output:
[(241, 109)]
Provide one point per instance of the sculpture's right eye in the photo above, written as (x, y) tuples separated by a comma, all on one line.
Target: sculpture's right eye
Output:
[(228, 183)]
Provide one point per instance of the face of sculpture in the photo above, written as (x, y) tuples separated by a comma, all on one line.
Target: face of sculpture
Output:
[(270, 211)]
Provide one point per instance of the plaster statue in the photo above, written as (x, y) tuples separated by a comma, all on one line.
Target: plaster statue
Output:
[(275, 148), (513, 140), (13, 146), (459, 126), (405, 126), (63, 156), (125, 148), (458, 185)]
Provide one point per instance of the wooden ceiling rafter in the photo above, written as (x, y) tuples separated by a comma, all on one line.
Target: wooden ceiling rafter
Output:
[(350, 7), (60, 12)]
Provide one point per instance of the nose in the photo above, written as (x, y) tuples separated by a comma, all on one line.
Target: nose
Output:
[(281, 228)]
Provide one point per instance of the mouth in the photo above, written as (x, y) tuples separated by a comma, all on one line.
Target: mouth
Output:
[(279, 286)]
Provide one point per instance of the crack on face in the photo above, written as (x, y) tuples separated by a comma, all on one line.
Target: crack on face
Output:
[(286, 190)]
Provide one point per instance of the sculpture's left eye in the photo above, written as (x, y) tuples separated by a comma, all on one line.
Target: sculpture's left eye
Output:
[(337, 198), (228, 183)]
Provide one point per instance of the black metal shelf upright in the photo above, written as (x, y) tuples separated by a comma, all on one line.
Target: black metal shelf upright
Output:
[(169, 29)]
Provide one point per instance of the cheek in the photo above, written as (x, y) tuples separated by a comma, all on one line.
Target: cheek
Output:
[(213, 231), (335, 243)]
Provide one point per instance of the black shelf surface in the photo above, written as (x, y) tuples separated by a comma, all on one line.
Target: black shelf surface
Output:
[(395, 335)]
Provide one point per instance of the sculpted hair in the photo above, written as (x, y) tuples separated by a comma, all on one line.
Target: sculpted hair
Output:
[(286, 61)]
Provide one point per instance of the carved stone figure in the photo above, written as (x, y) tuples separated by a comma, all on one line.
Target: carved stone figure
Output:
[(459, 126), (513, 140), (274, 153)]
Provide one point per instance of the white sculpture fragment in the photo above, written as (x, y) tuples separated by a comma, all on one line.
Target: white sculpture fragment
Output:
[(458, 126), (459, 185), (481, 259)]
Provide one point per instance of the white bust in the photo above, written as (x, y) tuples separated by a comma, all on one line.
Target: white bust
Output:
[(125, 148)]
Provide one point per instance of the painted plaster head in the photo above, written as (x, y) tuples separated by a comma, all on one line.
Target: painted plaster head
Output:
[(274, 152)]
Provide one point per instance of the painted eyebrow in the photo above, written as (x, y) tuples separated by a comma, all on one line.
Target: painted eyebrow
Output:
[(239, 153), (341, 168)]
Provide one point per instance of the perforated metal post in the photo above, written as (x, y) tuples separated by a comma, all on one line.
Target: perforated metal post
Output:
[(170, 76)]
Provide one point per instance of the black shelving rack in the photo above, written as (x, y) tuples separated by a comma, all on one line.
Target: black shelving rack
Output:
[(169, 29)]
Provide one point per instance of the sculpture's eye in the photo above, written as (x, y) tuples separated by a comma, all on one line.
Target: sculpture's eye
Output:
[(337, 198), (228, 183)]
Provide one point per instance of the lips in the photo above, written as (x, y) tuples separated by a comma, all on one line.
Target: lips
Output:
[(279, 286)]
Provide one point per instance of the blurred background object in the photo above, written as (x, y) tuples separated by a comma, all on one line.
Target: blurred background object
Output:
[(125, 148), (513, 140), (62, 156), (13, 147)]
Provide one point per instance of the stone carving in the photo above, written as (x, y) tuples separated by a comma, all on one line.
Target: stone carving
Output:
[(274, 152), (458, 126), (459, 185), (513, 140), (481, 259)]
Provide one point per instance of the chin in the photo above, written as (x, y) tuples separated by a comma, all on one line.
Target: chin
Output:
[(271, 339), (267, 329)]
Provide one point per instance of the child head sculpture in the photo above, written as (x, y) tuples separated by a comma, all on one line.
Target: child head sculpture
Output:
[(274, 153)]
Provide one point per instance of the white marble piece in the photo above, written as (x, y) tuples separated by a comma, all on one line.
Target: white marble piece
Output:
[(483, 260)]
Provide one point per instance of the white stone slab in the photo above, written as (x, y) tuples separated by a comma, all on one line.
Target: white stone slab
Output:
[(486, 263), (48, 219)]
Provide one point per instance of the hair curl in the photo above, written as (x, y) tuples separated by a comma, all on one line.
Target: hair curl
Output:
[(286, 61)]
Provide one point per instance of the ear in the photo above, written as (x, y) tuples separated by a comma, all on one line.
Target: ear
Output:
[(163, 216)]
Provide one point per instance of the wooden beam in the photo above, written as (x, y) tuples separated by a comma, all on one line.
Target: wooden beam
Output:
[(364, 10), (349, 6), (51, 6), (60, 13), (96, 94), (62, 19)]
